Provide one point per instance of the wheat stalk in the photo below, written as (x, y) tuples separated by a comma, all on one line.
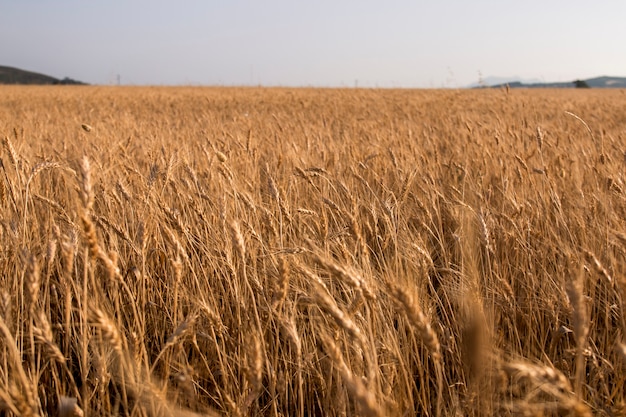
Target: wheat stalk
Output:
[(356, 388), (43, 335), (418, 321), (574, 289), (328, 304)]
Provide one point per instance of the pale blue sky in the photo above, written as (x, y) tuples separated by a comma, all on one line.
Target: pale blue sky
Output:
[(320, 43)]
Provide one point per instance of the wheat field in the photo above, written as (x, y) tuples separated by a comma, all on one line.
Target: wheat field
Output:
[(298, 252)]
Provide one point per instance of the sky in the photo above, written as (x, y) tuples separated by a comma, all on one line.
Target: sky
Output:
[(322, 43)]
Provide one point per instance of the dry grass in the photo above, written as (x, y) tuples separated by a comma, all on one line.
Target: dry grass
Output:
[(312, 252)]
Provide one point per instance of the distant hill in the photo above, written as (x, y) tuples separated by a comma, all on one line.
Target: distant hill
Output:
[(10, 75), (494, 80), (607, 82), (598, 82)]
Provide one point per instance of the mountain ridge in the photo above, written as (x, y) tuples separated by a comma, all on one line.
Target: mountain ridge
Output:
[(11, 75), (603, 81)]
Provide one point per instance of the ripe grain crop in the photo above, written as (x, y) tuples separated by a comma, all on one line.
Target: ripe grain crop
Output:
[(240, 251)]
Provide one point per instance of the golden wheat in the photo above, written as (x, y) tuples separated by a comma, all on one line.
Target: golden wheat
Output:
[(203, 251)]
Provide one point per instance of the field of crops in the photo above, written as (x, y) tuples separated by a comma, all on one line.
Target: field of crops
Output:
[(297, 252)]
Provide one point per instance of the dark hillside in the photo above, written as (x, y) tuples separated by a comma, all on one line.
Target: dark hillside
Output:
[(598, 82), (10, 75)]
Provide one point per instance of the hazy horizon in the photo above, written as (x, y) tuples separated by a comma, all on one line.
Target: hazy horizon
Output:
[(327, 44)]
